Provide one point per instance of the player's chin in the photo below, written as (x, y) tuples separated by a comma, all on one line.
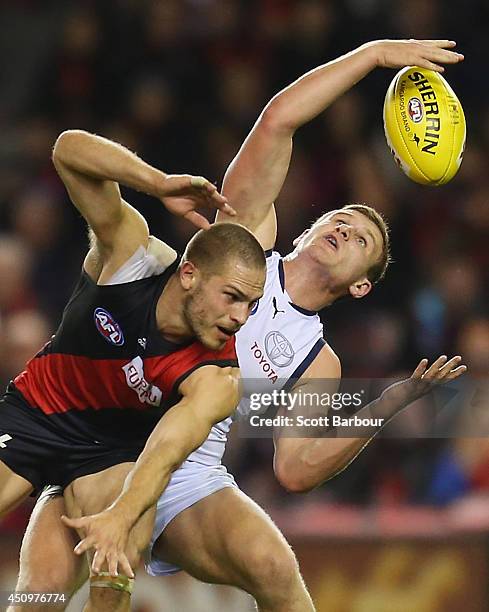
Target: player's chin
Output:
[(321, 254), (335, 264), (214, 339)]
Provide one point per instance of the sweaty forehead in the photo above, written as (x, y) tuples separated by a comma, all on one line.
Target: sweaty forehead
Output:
[(350, 214), (358, 218), (239, 273)]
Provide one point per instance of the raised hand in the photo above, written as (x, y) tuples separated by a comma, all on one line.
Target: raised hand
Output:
[(183, 194), (106, 532), (424, 53), (423, 379)]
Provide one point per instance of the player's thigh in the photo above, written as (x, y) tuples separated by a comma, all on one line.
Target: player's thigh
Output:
[(47, 561), (93, 493), (13, 489), (227, 538)]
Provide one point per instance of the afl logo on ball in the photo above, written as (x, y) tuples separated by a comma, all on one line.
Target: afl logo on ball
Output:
[(415, 109), (108, 327)]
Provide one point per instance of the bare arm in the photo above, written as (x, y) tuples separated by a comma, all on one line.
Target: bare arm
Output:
[(301, 464), (210, 395), (91, 167), (256, 175)]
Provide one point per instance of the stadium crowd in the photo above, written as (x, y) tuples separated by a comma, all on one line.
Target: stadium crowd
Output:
[(181, 82)]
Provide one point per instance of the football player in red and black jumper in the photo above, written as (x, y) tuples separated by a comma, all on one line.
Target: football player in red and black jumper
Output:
[(144, 357)]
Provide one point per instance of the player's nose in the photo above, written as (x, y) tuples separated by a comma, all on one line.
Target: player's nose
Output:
[(239, 314), (344, 230)]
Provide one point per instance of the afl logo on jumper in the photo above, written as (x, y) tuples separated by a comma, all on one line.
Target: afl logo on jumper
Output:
[(108, 327), (279, 349)]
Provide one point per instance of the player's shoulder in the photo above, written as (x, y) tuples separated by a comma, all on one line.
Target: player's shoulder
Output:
[(162, 252), (147, 261), (275, 271), (272, 257), (326, 364)]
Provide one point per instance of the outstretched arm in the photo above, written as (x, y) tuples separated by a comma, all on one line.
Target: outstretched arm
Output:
[(92, 167), (256, 175), (301, 464), (210, 395)]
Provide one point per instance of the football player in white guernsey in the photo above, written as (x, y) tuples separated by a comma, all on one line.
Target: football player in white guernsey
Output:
[(205, 524)]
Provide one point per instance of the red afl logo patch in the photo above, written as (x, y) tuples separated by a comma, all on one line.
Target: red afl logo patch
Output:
[(108, 327), (415, 109)]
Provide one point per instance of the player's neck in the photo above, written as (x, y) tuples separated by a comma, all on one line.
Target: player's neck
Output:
[(170, 319), (307, 284)]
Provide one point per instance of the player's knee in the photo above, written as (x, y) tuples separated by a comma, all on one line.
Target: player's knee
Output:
[(274, 566)]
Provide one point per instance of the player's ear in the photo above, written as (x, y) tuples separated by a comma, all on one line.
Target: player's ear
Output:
[(188, 273), (299, 238), (360, 288)]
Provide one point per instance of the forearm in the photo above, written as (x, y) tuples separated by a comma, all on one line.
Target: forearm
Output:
[(171, 441), (309, 462), (102, 159), (181, 430), (312, 93), (146, 482)]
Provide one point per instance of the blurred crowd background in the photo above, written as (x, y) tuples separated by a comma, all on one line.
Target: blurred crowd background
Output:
[(181, 82)]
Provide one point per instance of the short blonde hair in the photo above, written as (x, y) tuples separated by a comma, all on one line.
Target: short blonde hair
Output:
[(210, 250)]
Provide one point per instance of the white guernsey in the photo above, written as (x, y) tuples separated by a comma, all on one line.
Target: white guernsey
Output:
[(275, 347)]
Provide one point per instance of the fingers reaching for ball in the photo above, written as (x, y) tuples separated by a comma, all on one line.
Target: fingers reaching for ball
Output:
[(434, 53), (431, 54)]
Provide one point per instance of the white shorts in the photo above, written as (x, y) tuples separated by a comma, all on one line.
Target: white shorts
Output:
[(188, 485)]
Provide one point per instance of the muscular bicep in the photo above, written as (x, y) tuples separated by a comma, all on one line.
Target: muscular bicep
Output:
[(320, 380), (119, 228), (255, 177)]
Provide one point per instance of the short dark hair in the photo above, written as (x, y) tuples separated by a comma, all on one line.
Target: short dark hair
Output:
[(377, 271), (210, 250)]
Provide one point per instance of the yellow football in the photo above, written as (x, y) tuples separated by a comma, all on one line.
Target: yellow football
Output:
[(424, 125)]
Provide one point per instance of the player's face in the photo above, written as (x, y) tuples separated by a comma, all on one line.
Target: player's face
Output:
[(347, 244), (220, 305)]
